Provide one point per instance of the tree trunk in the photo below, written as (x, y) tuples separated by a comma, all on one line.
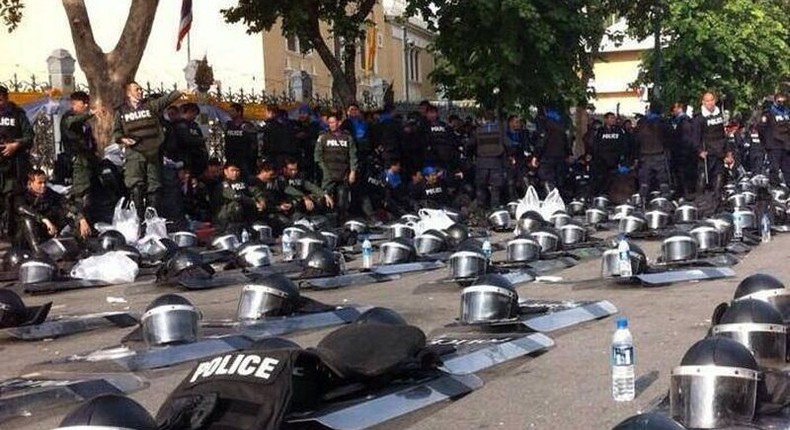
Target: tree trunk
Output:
[(108, 73)]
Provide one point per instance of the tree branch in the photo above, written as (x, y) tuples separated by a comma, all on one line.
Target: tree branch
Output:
[(89, 55), (125, 57)]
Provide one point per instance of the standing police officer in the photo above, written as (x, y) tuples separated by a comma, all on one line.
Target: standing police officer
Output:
[(651, 135), (138, 127), (609, 149), (490, 165), (684, 159), (775, 128), (554, 151), (241, 141), (442, 147), (711, 141), (79, 144), (16, 138), (336, 155)]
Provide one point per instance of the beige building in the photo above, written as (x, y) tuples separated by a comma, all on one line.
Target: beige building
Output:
[(382, 59), (616, 71)]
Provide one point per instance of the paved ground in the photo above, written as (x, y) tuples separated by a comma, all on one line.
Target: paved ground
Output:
[(566, 388)]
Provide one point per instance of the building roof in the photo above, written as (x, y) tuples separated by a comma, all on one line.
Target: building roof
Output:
[(613, 44)]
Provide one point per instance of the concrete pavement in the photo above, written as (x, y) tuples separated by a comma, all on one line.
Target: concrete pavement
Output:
[(566, 388)]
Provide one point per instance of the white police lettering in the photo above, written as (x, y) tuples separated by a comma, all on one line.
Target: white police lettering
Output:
[(433, 191), (134, 116), (238, 186), (6, 121), (612, 136), (236, 364), (375, 182), (458, 342), (782, 118), (716, 120), (235, 133), (438, 129), (339, 143)]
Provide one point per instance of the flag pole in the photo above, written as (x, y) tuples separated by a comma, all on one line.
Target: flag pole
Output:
[(189, 49)]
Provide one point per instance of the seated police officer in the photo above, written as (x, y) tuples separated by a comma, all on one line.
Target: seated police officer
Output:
[(235, 203), (42, 212), (429, 189), (307, 196), (278, 206)]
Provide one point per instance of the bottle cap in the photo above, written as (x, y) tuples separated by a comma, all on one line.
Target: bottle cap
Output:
[(622, 322)]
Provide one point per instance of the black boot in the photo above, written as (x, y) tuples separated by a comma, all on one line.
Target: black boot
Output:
[(137, 195), (30, 235)]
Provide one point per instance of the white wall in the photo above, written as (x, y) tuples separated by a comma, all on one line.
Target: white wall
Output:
[(237, 58)]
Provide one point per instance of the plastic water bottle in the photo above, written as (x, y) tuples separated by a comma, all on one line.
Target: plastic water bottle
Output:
[(367, 254), (624, 258), (623, 389), (738, 234), (487, 250), (245, 236), (765, 223), (288, 247)]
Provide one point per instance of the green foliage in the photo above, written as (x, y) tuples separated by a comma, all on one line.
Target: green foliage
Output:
[(737, 48), (536, 52), (11, 13)]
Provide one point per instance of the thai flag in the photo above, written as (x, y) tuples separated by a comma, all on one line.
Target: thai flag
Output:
[(186, 22)]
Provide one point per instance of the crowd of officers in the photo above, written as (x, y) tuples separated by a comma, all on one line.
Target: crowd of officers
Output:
[(376, 166)]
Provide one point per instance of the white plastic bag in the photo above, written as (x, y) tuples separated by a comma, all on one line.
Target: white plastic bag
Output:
[(112, 267), (552, 204), (530, 202), (125, 220), (432, 219), (155, 226)]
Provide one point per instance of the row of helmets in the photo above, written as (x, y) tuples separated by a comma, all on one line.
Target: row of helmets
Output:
[(118, 412), (173, 319), (737, 370), (679, 246)]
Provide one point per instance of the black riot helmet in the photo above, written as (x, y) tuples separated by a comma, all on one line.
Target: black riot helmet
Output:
[(396, 251), (322, 263), (110, 411), (380, 316), (111, 239), (184, 261), (715, 385), (456, 233), (756, 283), (758, 326), (14, 313), (649, 421), (271, 296), (13, 257), (170, 319), (490, 299)]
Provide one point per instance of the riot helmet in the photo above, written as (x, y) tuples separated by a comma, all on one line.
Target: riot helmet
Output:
[(184, 262), (765, 288), (170, 319), (649, 421), (109, 411), (758, 326), (330, 240), (184, 239), (430, 242), (13, 257), (529, 222), (61, 248), (522, 250), (309, 242), (37, 269), (226, 242), (130, 252), (456, 233), (322, 263), (110, 239), (400, 250), (14, 313), (490, 299), (610, 261), (679, 246), (379, 315), (400, 230), (254, 254), (271, 296), (499, 220), (715, 385), (467, 264), (547, 238), (356, 226), (263, 232)]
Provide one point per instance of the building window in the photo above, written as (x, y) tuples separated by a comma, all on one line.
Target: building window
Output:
[(292, 43), (414, 65)]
